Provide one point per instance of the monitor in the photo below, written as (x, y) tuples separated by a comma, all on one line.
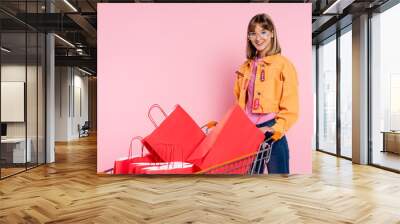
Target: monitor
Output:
[(3, 129)]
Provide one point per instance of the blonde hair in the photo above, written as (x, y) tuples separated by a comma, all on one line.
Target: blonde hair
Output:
[(265, 22)]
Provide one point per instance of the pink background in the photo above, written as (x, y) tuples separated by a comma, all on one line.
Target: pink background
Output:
[(188, 54)]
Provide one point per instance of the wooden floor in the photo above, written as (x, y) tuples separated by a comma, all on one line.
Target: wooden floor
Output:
[(69, 191)]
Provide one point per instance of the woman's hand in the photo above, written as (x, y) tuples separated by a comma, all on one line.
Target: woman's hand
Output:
[(266, 129)]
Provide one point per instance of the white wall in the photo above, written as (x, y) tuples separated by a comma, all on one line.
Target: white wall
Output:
[(81, 103), (71, 93), (16, 73), (62, 80)]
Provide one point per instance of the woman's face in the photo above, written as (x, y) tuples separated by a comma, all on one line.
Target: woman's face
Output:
[(260, 38)]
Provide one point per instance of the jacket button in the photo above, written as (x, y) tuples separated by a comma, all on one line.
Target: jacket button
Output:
[(258, 93)]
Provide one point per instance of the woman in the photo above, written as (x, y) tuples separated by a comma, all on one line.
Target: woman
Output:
[(266, 89)]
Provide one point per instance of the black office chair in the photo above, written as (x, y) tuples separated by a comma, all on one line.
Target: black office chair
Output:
[(84, 130)]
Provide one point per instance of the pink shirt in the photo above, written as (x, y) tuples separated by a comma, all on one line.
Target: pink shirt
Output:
[(256, 118)]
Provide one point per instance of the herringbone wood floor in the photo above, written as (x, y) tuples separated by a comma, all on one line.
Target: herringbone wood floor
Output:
[(69, 191)]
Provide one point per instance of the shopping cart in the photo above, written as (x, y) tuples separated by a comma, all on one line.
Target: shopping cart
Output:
[(249, 164)]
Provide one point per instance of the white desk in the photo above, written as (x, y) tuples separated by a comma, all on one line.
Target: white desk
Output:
[(18, 149)]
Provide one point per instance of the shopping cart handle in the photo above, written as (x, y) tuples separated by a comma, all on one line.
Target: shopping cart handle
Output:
[(209, 125), (276, 136)]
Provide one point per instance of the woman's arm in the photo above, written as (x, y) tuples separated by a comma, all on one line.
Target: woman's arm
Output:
[(236, 86), (289, 103)]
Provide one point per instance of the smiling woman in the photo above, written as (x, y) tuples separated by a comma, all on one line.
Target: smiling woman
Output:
[(266, 88)]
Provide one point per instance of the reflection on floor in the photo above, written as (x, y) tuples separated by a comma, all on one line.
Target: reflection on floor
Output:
[(386, 159), (346, 151), (10, 169)]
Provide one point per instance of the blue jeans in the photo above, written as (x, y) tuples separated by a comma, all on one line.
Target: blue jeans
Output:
[(279, 161)]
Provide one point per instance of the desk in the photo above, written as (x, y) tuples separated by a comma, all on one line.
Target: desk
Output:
[(391, 141), (16, 147)]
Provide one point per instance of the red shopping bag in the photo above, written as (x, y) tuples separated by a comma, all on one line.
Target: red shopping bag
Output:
[(121, 165), (136, 167), (176, 137), (234, 137), (170, 168), (161, 168)]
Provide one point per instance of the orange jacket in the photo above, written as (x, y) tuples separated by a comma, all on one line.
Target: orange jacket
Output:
[(274, 91)]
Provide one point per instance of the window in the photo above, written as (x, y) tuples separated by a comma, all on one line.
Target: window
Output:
[(327, 96), (385, 89), (346, 93)]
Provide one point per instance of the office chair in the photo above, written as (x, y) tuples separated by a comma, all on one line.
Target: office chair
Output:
[(84, 130)]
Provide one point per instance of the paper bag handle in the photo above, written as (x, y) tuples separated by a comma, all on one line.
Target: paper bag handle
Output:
[(151, 117), (139, 138)]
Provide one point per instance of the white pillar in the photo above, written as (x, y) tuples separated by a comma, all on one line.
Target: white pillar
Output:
[(360, 90), (50, 93)]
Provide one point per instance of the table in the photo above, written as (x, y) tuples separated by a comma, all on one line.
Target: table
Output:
[(16, 147), (391, 141)]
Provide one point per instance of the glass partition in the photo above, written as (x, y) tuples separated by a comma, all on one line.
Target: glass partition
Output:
[(22, 63), (14, 153), (327, 96), (385, 89), (346, 93)]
